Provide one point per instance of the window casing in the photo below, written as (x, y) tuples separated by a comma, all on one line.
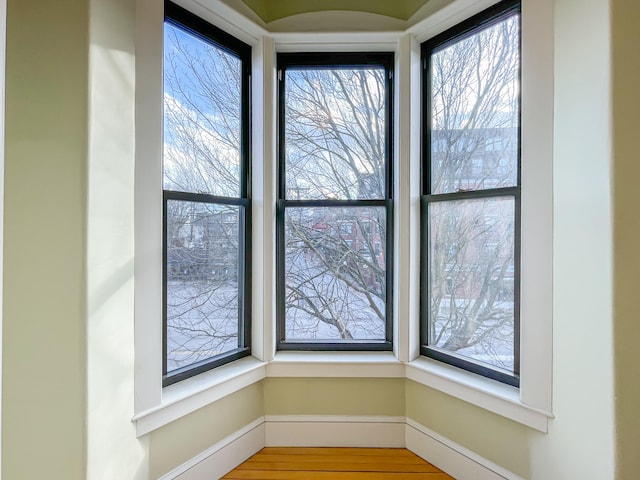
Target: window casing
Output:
[(334, 213), (206, 197), (470, 205)]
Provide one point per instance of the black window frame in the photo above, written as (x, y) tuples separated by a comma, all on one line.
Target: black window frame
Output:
[(465, 29), (188, 22), (319, 60)]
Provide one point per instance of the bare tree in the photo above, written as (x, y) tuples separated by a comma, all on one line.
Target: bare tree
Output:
[(335, 131), (335, 265), (202, 138), (474, 147)]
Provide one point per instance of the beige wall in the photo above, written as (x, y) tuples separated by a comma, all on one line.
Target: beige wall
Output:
[(179, 441), (44, 367), (496, 438), (626, 105), (334, 396)]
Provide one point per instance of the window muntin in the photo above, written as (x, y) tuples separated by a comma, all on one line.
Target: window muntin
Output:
[(471, 195), (334, 272), (206, 294)]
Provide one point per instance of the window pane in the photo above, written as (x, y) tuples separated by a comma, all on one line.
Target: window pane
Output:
[(335, 133), (335, 286), (202, 116), (202, 281), (475, 110), (471, 286)]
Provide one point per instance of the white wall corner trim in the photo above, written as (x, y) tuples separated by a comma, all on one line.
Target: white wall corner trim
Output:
[(222, 457), (452, 457), (334, 431)]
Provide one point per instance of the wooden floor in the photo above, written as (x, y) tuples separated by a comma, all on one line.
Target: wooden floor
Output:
[(337, 463)]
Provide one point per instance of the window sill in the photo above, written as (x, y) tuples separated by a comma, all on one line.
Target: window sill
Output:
[(336, 364), (189, 395), (494, 396)]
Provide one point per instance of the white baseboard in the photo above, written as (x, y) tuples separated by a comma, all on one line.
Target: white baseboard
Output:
[(338, 431), (222, 457), (334, 431), (453, 458)]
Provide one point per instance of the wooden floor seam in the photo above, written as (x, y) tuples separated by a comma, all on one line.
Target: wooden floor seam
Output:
[(323, 463)]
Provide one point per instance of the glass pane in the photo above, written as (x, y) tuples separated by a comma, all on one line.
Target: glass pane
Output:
[(202, 281), (471, 287), (475, 105), (335, 133), (202, 116), (335, 286)]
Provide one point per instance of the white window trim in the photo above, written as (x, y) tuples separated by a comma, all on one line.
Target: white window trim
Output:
[(345, 42), (196, 392), (529, 405), (336, 42), (336, 365), (156, 406), (477, 390), (448, 16)]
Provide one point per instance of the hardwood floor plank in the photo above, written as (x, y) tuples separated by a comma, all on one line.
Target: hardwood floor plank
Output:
[(389, 452), (334, 458), (276, 475), (338, 467), (278, 463)]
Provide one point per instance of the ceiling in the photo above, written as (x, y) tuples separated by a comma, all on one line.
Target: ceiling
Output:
[(271, 10)]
